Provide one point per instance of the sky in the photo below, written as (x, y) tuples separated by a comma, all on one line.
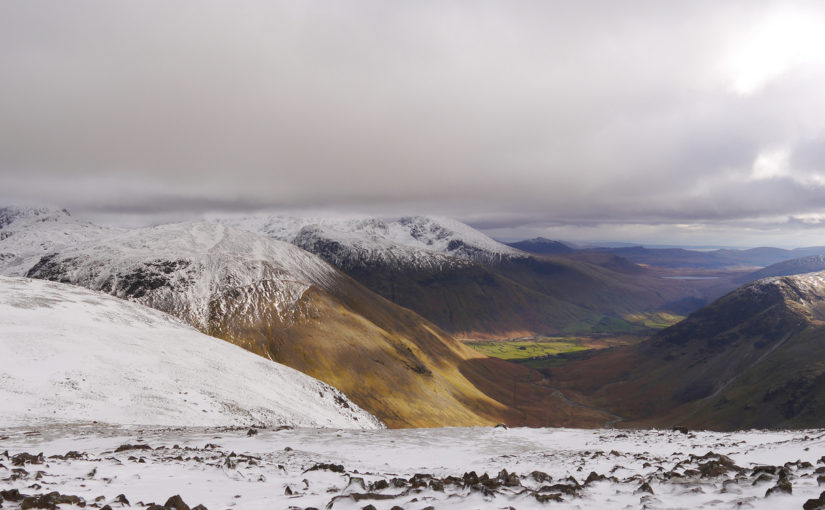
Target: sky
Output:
[(696, 122)]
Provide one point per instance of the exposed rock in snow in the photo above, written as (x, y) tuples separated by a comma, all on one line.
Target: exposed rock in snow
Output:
[(196, 271), (416, 242), (453, 468), (27, 234), (73, 355)]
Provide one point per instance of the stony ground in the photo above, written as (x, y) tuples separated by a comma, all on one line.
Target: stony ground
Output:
[(60, 466)]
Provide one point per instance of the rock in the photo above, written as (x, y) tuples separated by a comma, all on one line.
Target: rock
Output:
[(335, 468), (546, 498), (764, 477), (127, 447), (594, 477), (815, 504), (50, 501), (379, 485), (783, 486), (645, 487), (541, 476), (22, 458), (683, 430), (251, 432), (122, 500), (12, 495), (176, 503)]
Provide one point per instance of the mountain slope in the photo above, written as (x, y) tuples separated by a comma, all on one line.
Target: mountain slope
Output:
[(288, 305), (28, 233), (73, 355), (753, 358), (474, 286)]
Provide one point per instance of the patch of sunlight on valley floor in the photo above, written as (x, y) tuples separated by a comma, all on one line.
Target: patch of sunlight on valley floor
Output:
[(655, 320), (523, 349)]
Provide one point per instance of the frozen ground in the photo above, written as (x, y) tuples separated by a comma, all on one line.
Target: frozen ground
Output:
[(414, 469)]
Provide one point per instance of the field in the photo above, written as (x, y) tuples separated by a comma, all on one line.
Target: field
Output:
[(542, 348), (524, 349)]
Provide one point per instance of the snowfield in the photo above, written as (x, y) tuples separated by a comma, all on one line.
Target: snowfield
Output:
[(190, 270), (27, 234), (419, 242), (68, 354), (414, 469)]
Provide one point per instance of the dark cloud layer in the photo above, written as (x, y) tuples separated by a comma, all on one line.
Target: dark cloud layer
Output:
[(525, 117)]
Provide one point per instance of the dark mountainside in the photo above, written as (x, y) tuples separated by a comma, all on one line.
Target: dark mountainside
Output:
[(526, 296), (753, 358), (542, 246)]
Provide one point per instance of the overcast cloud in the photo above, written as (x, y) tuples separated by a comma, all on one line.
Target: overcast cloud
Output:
[(651, 121)]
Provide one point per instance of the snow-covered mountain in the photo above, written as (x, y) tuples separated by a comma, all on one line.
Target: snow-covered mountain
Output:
[(199, 271), (415, 242), (286, 304), (73, 355), (27, 234)]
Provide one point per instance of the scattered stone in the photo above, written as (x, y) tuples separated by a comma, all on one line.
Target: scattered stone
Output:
[(127, 447), (50, 501), (251, 432), (335, 468), (21, 459), (645, 487)]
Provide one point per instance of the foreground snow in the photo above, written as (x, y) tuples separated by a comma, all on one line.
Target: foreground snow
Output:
[(70, 354), (416, 469)]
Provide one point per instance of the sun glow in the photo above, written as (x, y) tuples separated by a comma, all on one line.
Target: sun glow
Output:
[(781, 41)]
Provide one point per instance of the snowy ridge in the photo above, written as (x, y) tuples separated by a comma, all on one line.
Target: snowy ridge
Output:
[(193, 270), (73, 355), (804, 289), (27, 234), (412, 242)]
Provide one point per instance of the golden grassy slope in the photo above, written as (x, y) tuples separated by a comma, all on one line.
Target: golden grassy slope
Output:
[(389, 361)]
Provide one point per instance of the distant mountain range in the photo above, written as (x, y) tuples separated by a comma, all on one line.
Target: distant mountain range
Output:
[(679, 257)]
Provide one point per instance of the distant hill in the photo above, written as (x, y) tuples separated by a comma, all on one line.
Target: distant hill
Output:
[(541, 245), (674, 258), (753, 358), (791, 267)]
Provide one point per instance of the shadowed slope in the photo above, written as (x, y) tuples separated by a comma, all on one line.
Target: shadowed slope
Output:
[(753, 358)]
